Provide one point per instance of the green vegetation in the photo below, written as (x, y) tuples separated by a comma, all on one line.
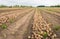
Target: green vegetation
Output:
[(2, 6), (41, 6), (4, 26), (11, 20), (49, 6), (15, 6), (39, 33), (57, 27), (45, 35), (55, 6)]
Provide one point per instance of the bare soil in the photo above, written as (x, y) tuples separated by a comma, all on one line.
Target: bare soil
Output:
[(21, 28), (53, 19), (17, 29)]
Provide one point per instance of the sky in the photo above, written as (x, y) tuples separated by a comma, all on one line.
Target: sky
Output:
[(30, 2)]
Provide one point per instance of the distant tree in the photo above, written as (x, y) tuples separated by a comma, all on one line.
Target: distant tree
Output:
[(16, 6), (30, 6), (23, 6), (1, 6), (55, 6), (41, 6), (10, 6)]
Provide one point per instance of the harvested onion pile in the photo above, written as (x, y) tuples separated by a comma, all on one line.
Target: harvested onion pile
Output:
[(8, 19), (40, 29)]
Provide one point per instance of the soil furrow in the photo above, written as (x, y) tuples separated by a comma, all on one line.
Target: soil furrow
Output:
[(23, 21), (53, 19)]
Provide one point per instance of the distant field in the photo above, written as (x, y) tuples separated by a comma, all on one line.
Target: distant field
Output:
[(30, 23), (9, 9)]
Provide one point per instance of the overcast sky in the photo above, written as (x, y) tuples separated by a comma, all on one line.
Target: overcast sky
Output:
[(29, 2)]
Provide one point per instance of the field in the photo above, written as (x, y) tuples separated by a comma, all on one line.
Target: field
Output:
[(30, 23)]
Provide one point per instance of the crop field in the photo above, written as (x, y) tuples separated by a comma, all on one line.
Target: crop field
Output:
[(29, 23)]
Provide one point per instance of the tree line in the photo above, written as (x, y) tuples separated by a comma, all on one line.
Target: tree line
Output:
[(4, 6), (48, 6)]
